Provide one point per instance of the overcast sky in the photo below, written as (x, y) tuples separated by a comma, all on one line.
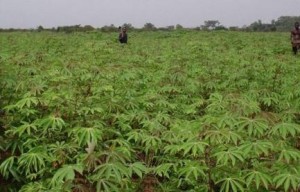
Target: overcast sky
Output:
[(161, 13)]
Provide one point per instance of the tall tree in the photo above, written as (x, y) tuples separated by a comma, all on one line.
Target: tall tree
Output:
[(211, 24), (178, 27), (285, 23), (149, 26), (128, 26)]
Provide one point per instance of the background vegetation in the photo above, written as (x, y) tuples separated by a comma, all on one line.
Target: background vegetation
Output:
[(170, 111), (282, 24)]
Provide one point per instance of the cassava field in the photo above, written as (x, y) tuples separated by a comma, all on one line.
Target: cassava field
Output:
[(169, 112)]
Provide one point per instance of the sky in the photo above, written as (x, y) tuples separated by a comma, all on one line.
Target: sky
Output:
[(161, 13)]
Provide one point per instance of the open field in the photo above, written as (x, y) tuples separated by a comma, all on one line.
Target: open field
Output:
[(170, 111)]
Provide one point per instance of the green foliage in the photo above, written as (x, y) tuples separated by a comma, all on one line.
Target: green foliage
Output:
[(66, 173), (231, 184), (258, 178), (287, 181), (8, 168), (85, 136), (170, 111), (192, 171), (33, 161)]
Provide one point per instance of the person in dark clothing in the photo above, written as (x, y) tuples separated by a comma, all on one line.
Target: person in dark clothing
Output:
[(295, 38), (123, 36)]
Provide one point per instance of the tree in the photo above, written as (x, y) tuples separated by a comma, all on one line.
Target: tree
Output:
[(178, 27), (149, 27), (171, 27), (285, 23), (211, 24), (87, 28), (259, 26), (233, 28), (40, 28), (108, 28), (128, 26), (221, 27), (256, 26)]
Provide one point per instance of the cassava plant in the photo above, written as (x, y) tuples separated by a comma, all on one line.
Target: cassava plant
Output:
[(170, 111)]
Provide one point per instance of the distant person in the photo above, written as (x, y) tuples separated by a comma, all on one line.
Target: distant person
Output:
[(295, 38), (123, 35)]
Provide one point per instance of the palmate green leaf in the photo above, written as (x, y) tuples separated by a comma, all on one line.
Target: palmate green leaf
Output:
[(63, 151), (25, 112), (121, 154), (288, 155), (256, 147), (27, 102), (138, 115), (212, 85), (137, 168), (163, 117), (222, 136), (151, 142), (170, 89), (254, 127), (184, 130), (163, 169), (112, 170), (7, 81), (7, 167), (14, 145), (226, 121), (230, 155), (90, 110), (171, 136), (285, 129), (258, 178), (38, 87), (34, 176), (189, 109), (119, 142), (124, 126), (33, 161), (21, 86), (135, 135), (270, 100), (10, 108), (86, 135), (172, 149), (51, 122), (25, 127), (174, 187), (192, 170), (66, 173), (193, 148), (243, 104), (231, 184), (216, 103), (131, 104), (153, 125), (113, 104), (33, 187), (106, 185), (287, 181)]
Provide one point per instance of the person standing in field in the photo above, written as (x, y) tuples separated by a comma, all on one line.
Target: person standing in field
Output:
[(123, 35), (295, 38)]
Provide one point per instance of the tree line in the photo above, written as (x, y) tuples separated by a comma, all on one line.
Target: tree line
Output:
[(282, 24)]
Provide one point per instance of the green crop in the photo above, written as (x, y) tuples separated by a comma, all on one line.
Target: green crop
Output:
[(170, 111)]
